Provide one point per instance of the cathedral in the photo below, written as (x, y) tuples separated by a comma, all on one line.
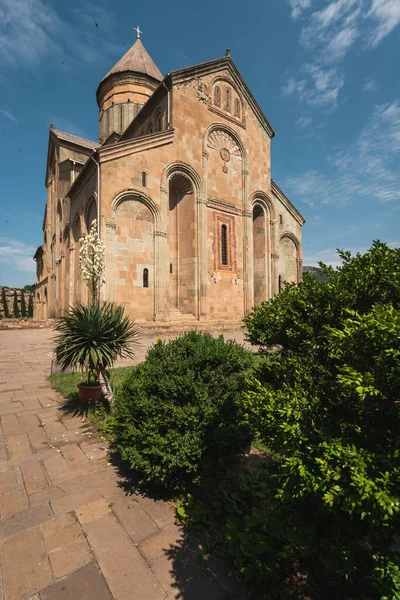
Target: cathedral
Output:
[(195, 228)]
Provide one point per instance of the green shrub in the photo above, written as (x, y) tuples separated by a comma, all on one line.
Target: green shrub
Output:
[(177, 416), (6, 312), (328, 404), (30, 306)]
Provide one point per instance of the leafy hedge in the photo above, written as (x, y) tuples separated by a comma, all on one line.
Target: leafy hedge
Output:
[(328, 405), (177, 415)]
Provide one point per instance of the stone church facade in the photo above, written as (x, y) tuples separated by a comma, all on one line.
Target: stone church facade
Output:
[(194, 227)]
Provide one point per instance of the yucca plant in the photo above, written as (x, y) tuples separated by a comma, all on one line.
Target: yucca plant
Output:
[(93, 337)]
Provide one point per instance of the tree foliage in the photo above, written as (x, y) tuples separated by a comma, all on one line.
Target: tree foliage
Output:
[(30, 306), (16, 311), (177, 415), (23, 305), (328, 404), (4, 302)]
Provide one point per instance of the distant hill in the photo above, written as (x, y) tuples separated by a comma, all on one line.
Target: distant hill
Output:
[(316, 271)]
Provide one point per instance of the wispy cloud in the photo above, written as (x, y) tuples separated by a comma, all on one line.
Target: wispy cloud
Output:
[(17, 255), (369, 85), (386, 14), (32, 29), (303, 121), (367, 169), (8, 115), (327, 37), (298, 6)]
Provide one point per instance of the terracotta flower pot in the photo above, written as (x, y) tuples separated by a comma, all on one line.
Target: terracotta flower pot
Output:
[(88, 392)]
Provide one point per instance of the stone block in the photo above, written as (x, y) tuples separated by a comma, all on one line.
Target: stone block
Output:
[(75, 500), (60, 532), (18, 446)]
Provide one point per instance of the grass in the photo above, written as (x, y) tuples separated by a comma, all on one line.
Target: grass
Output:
[(66, 385)]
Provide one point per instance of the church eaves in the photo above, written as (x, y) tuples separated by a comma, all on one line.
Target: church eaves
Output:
[(136, 60)]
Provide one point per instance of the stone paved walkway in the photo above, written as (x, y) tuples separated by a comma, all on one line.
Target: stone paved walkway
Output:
[(68, 530)]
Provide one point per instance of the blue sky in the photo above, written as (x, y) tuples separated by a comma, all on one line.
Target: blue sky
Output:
[(324, 72)]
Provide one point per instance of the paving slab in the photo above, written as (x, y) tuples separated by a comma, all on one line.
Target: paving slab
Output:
[(138, 524), (74, 455), (25, 565), (25, 520), (161, 513), (85, 584), (34, 477)]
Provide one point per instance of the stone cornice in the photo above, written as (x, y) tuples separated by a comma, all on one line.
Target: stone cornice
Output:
[(223, 206), (286, 203), (139, 144)]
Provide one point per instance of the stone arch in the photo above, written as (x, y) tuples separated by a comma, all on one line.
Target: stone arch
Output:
[(134, 252), (66, 280), (181, 168), (182, 224), (263, 199), (90, 212), (260, 253), (289, 263), (131, 193), (76, 277), (38, 306), (45, 305)]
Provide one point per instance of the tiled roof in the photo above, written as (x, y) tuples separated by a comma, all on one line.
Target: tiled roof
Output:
[(74, 139), (138, 60)]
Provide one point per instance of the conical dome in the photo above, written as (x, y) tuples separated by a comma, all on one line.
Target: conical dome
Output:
[(137, 60), (125, 89)]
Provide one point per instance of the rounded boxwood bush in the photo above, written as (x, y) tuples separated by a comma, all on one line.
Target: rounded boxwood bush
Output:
[(178, 415)]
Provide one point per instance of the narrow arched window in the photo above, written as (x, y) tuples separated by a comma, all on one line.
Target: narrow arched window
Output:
[(160, 124), (150, 129), (237, 108), (228, 99), (217, 96), (279, 283), (224, 245), (145, 278), (121, 118), (144, 179)]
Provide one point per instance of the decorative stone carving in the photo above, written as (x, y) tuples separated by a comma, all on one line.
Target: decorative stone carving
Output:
[(219, 139)]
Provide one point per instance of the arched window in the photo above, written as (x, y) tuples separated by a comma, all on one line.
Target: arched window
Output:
[(237, 108), (228, 99), (224, 245), (150, 128), (145, 278), (217, 96), (160, 124), (144, 179), (121, 117)]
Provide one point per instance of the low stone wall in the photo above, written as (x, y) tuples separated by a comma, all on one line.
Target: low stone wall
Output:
[(27, 323)]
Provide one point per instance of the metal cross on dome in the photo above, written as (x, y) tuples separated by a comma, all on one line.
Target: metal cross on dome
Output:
[(138, 32)]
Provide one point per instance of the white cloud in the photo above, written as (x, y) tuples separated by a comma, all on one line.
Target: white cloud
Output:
[(298, 6), (368, 169), (31, 30), (17, 255), (329, 257), (303, 121), (369, 85), (327, 37), (316, 85), (386, 14), (8, 115)]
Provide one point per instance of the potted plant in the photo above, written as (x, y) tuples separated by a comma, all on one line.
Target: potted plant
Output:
[(93, 337)]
